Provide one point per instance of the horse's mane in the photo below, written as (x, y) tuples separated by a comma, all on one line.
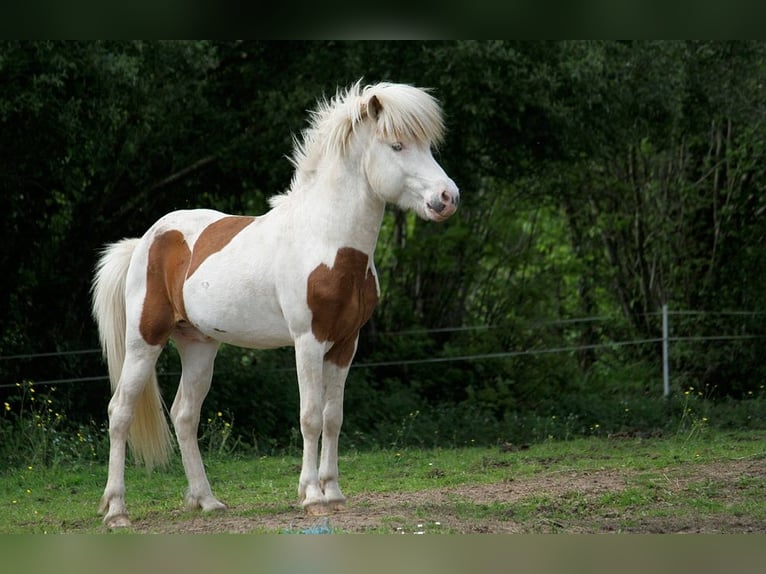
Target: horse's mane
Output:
[(406, 113)]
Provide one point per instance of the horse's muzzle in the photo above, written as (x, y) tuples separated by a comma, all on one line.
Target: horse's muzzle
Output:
[(443, 204)]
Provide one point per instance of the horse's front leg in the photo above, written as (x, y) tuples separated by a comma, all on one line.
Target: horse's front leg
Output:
[(334, 383), (309, 355)]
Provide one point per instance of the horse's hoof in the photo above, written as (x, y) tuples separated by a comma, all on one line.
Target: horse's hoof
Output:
[(317, 509), (204, 503), (337, 506), (214, 507), (117, 522)]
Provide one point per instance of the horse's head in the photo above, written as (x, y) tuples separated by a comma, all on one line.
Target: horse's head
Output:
[(390, 129), (405, 122)]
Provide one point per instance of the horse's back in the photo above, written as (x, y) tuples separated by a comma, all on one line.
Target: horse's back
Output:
[(190, 222)]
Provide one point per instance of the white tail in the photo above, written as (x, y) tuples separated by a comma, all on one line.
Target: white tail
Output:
[(149, 436)]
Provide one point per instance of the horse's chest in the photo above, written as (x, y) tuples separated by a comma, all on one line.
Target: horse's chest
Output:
[(342, 299)]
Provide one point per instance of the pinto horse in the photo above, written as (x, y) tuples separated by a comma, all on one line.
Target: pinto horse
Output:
[(302, 274)]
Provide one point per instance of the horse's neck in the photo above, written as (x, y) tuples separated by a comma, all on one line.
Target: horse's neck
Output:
[(343, 212)]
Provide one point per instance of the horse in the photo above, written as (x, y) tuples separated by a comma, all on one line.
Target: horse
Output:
[(300, 275)]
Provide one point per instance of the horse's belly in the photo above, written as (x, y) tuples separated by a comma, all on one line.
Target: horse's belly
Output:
[(242, 316), (261, 338), (262, 332)]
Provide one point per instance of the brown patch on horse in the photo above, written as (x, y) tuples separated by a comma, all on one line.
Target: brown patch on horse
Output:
[(169, 257), (215, 237), (341, 299)]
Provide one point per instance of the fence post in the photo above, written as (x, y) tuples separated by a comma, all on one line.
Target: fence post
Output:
[(665, 352)]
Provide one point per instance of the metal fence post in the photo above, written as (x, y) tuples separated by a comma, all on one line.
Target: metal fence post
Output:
[(665, 352)]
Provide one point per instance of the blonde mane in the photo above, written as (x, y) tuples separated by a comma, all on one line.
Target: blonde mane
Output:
[(401, 112)]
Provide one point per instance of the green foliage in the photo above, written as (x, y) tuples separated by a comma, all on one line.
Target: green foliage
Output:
[(35, 432), (599, 179), (258, 392)]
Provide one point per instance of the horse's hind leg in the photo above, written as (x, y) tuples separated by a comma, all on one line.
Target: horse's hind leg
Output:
[(197, 371), (137, 370), (332, 419)]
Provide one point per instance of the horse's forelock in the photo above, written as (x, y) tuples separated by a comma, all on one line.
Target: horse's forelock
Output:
[(407, 113)]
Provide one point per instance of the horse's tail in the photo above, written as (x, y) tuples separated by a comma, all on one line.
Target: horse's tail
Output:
[(149, 435)]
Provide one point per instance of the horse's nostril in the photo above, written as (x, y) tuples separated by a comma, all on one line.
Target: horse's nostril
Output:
[(437, 206), (450, 197)]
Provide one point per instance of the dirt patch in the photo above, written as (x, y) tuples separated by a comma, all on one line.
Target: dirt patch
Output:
[(698, 498)]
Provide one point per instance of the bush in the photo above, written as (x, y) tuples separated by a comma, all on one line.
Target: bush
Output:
[(35, 431), (610, 401)]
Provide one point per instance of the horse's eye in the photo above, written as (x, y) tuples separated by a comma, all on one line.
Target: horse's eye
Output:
[(397, 146)]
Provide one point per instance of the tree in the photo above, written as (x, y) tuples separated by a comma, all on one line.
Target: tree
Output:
[(598, 179)]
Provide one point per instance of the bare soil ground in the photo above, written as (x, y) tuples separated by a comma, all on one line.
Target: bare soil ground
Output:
[(703, 498)]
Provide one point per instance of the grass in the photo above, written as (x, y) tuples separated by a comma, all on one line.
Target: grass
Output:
[(653, 484), (694, 474)]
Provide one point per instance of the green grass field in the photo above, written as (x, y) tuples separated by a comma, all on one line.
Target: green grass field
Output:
[(711, 482)]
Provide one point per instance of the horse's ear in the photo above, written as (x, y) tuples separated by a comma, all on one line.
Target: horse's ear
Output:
[(372, 107)]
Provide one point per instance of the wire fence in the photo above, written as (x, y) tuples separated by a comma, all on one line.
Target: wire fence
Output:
[(666, 340)]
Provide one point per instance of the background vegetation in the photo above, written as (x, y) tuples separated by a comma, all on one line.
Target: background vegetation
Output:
[(599, 180)]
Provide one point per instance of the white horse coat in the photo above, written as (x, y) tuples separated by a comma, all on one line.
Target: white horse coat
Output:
[(301, 274)]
